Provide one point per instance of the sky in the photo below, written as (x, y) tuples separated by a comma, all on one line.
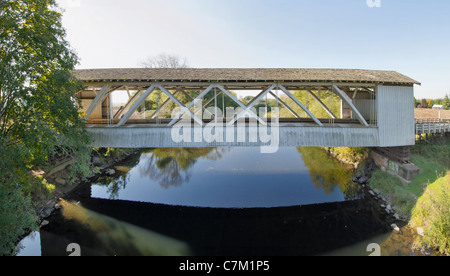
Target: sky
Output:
[(411, 37)]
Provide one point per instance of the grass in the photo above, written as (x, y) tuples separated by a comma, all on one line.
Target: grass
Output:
[(425, 202), (432, 213)]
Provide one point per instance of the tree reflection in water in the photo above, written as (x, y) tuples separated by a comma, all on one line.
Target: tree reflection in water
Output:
[(172, 167), (327, 173)]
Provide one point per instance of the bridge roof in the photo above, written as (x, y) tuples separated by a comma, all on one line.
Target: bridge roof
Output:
[(232, 75)]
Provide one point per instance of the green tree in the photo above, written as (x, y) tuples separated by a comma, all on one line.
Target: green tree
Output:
[(39, 113), (446, 102)]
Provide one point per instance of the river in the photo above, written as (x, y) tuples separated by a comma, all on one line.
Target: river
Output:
[(216, 202)]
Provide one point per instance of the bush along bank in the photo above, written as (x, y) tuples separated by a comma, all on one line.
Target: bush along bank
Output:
[(422, 205), (102, 159)]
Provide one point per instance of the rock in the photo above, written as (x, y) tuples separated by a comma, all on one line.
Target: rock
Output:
[(395, 227), (397, 216), (363, 180), (96, 161), (420, 231), (44, 223), (383, 206), (46, 212), (355, 179), (110, 172), (371, 193), (60, 181)]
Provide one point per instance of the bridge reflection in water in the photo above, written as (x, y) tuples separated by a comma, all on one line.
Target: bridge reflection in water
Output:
[(121, 225), (297, 230)]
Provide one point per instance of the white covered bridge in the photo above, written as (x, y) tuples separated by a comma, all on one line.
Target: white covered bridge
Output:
[(317, 107)]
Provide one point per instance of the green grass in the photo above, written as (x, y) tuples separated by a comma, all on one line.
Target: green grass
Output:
[(393, 189), (425, 202), (433, 159), (432, 212)]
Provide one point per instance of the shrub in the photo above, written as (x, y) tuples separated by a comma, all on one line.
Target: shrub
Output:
[(432, 212)]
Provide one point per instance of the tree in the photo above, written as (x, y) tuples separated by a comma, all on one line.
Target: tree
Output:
[(165, 61), (423, 103), (39, 113), (446, 102)]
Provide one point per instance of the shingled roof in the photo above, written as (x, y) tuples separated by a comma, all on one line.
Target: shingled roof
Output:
[(243, 75)]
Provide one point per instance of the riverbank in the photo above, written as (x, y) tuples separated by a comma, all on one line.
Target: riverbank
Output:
[(429, 188), (45, 199), (422, 207)]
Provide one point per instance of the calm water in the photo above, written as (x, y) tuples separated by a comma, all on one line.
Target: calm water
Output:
[(215, 201)]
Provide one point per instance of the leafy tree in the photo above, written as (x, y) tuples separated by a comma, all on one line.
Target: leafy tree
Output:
[(446, 102), (39, 113)]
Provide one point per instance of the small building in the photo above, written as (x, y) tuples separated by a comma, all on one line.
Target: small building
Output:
[(437, 106)]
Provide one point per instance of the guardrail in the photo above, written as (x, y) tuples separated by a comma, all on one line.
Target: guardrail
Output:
[(432, 128), (431, 120)]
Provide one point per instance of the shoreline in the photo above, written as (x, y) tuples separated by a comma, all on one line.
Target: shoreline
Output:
[(44, 207)]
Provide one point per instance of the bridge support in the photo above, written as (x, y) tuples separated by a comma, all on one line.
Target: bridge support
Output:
[(396, 160)]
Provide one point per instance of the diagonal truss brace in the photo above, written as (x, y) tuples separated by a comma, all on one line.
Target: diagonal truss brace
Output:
[(322, 104), (186, 109), (127, 106), (98, 99), (246, 108), (136, 105), (347, 99), (285, 105), (289, 94)]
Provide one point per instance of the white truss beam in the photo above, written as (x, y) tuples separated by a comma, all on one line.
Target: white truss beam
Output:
[(285, 105), (186, 109), (137, 104), (349, 101), (157, 111), (98, 100), (252, 103), (128, 104), (289, 94), (322, 104)]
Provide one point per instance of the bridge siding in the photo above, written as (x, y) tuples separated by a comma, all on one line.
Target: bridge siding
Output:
[(313, 136), (396, 116)]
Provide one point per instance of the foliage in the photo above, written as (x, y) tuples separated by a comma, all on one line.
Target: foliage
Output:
[(429, 103), (350, 155), (446, 102), (328, 173), (432, 212), (16, 217), (393, 189), (39, 114)]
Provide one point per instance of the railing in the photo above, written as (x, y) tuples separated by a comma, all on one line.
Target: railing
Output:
[(432, 127), (431, 120)]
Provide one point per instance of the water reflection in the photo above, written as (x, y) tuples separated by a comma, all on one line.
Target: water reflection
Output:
[(109, 236), (230, 178), (329, 174), (173, 167), (217, 201)]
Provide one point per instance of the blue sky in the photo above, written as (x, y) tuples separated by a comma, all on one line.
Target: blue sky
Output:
[(408, 36)]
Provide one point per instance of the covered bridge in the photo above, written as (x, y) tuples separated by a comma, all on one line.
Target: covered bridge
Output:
[(317, 107)]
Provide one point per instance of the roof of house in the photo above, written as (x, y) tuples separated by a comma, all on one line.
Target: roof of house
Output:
[(243, 75)]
